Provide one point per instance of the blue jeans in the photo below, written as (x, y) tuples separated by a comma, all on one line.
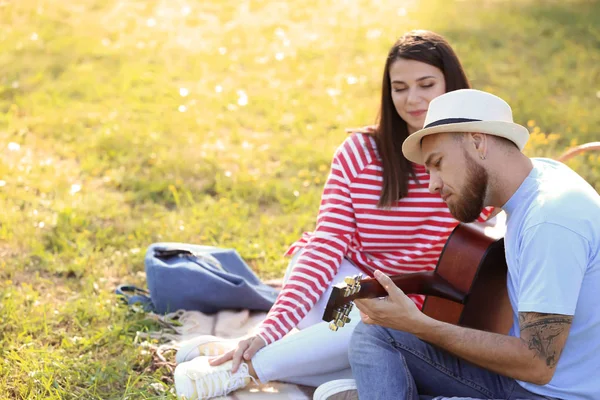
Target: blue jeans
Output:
[(389, 364)]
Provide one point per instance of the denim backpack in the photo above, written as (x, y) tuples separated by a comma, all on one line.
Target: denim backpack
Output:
[(198, 278)]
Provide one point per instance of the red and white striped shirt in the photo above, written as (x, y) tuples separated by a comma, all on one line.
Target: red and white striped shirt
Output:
[(408, 237)]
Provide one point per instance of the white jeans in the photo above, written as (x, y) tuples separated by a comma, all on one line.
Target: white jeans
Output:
[(313, 354)]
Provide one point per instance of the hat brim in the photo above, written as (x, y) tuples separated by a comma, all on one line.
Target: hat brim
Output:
[(518, 134)]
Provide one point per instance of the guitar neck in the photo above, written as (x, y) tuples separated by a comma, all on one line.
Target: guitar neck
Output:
[(427, 283)]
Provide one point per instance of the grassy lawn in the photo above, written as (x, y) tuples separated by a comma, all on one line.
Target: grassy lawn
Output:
[(123, 123)]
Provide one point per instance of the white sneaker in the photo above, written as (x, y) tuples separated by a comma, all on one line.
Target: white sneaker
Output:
[(205, 345), (198, 380), (340, 389)]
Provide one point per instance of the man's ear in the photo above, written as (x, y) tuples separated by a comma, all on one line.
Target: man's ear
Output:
[(479, 142)]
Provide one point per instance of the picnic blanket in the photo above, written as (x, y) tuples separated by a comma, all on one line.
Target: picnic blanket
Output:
[(181, 326)]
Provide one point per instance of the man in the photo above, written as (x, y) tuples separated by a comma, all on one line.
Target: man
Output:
[(472, 150)]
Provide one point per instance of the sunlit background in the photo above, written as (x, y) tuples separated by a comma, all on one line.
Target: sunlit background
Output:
[(124, 123)]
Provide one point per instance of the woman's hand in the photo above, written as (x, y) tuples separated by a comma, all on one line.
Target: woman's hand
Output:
[(246, 349)]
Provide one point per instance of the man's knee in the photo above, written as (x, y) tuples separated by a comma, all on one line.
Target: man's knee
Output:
[(366, 336), (404, 339), (365, 343), (368, 341)]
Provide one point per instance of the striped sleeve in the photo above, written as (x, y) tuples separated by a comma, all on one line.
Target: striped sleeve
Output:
[(323, 253), (485, 214)]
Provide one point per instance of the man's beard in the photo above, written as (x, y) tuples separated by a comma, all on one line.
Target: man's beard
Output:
[(469, 204)]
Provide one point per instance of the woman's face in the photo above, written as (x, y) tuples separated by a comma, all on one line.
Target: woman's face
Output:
[(414, 85)]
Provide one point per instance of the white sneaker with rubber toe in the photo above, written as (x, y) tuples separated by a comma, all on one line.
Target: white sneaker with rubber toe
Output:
[(198, 380), (340, 389), (205, 345)]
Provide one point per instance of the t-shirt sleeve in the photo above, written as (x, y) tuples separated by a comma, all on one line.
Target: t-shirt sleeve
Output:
[(553, 262)]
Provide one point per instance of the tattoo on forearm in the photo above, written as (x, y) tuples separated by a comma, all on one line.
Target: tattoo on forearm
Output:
[(545, 334)]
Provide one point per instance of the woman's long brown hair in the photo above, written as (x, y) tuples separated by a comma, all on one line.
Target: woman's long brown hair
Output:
[(430, 48)]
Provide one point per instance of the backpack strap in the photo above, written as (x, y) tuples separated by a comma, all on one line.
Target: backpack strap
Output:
[(131, 295)]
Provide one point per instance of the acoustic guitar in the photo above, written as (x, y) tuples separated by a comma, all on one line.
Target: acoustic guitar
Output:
[(467, 287)]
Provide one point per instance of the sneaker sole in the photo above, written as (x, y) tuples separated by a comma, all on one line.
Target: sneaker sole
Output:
[(336, 388)]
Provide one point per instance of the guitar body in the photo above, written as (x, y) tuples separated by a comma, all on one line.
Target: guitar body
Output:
[(468, 286), (474, 264)]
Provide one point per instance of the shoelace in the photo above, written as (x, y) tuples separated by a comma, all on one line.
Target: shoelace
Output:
[(221, 383)]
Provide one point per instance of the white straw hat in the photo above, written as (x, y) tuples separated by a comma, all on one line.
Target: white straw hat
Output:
[(466, 110)]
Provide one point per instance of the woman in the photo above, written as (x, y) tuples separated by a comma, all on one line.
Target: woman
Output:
[(376, 213)]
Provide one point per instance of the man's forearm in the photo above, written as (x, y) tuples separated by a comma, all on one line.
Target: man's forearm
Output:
[(505, 355)]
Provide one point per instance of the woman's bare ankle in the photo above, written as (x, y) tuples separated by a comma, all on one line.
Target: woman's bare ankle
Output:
[(251, 370)]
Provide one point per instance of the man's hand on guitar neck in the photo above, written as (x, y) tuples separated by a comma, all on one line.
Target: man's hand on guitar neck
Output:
[(532, 357), (397, 311)]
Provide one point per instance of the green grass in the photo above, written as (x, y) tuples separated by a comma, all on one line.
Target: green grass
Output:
[(102, 155)]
